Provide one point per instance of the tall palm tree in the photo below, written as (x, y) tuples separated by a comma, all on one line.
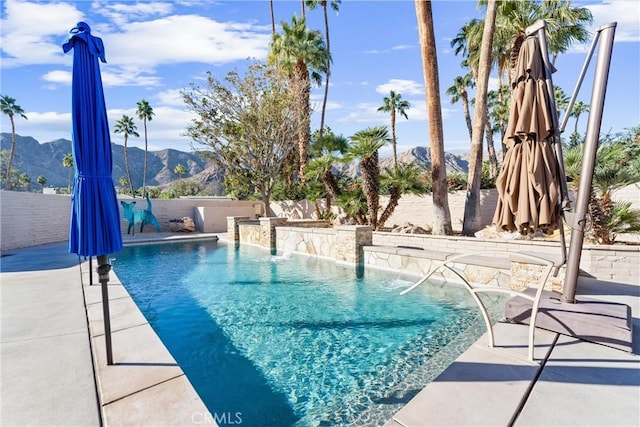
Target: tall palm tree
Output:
[(145, 113), (471, 222), (578, 108), (303, 54), (10, 108), (365, 146), (458, 92), (335, 5), (273, 19), (67, 162), (441, 213), (565, 25), (127, 127), (42, 180), (394, 104)]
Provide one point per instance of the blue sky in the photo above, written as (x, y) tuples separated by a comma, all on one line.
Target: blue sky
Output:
[(156, 48)]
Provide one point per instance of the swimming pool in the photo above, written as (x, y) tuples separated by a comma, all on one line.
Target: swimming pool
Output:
[(285, 340)]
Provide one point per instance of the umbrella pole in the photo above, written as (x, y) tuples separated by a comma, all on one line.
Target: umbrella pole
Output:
[(103, 273), (601, 76)]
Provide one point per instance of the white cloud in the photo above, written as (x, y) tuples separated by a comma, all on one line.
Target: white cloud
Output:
[(170, 97), (403, 87), (122, 13), (185, 38), (625, 12), (58, 76), (32, 33)]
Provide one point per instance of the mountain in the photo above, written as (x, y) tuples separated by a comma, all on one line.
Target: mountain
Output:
[(37, 159)]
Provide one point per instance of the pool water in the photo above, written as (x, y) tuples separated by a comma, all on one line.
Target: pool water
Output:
[(291, 340)]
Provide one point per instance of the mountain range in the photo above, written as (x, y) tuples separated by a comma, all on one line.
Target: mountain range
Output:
[(46, 159)]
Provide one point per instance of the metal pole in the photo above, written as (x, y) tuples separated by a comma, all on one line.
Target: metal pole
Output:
[(589, 159), (103, 275)]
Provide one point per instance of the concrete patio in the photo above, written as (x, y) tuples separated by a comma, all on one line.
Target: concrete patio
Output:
[(52, 325)]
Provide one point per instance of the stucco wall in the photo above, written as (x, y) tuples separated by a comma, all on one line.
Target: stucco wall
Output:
[(31, 219)]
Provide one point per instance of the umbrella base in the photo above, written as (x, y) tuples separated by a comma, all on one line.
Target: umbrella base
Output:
[(601, 322)]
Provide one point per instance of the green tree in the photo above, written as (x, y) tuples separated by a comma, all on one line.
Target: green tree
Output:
[(459, 92), (471, 222), (127, 127), (335, 5), (145, 113), (578, 108), (300, 52), (180, 170), (325, 152), (124, 183), (24, 181), (617, 165), (441, 213), (400, 179), (394, 104), (10, 108), (565, 25), (42, 180), (247, 123), (67, 162), (365, 146)]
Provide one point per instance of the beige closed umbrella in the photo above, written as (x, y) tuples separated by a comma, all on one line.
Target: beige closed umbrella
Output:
[(528, 182)]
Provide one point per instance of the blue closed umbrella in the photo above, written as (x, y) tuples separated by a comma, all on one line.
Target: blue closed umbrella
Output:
[(95, 216), (95, 221)]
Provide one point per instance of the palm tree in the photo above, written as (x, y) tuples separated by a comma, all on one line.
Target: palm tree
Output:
[(325, 150), (401, 179), (180, 170), (145, 113), (124, 183), (617, 165), (67, 162), (441, 214), (565, 25), (471, 222), (42, 180), (127, 127), (10, 108), (365, 146), (578, 108), (394, 104), (335, 5), (299, 51), (459, 92), (24, 180)]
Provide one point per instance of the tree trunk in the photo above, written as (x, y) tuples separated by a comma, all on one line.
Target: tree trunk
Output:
[(471, 222), (394, 198), (273, 19), (304, 131), (393, 136), (146, 151), (441, 213), (326, 83), (126, 166), (371, 187), (467, 114), (491, 148), (7, 182)]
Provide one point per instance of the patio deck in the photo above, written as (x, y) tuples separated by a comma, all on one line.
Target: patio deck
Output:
[(51, 328)]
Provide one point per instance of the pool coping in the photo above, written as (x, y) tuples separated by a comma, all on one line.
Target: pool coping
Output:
[(146, 387)]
